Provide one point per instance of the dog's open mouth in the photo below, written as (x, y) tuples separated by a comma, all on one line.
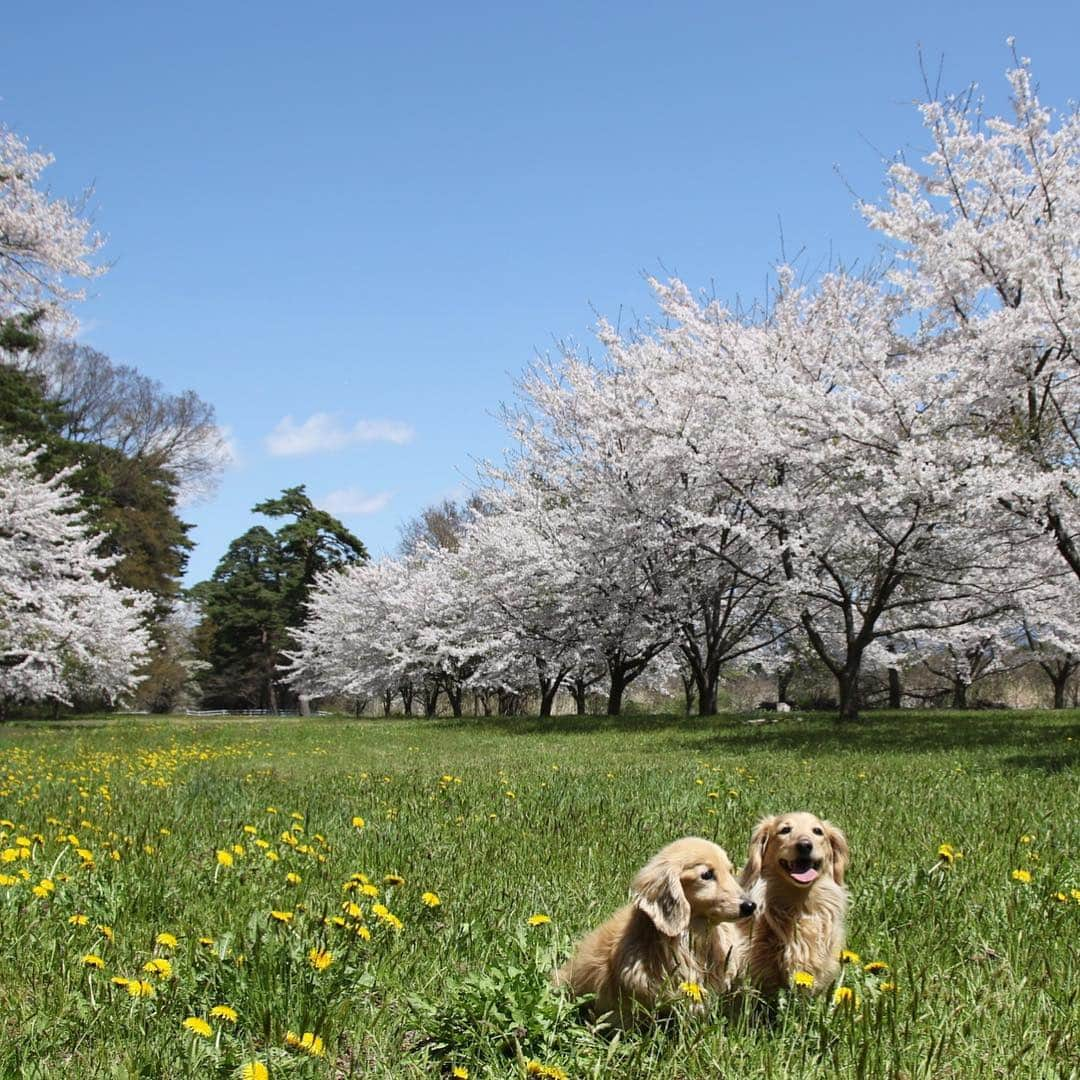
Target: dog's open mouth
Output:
[(804, 871)]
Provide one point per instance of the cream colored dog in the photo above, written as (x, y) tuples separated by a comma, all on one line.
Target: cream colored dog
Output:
[(677, 930), (795, 874)]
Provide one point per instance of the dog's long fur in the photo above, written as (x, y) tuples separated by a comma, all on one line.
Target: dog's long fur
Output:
[(795, 873), (678, 928)]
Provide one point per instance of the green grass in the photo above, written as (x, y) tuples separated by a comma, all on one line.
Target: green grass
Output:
[(986, 967)]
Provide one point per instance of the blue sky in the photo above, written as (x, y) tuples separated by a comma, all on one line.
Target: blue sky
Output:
[(350, 227)]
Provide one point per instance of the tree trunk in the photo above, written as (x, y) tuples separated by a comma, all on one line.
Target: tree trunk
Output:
[(304, 704), (689, 692), (579, 691), (784, 675), (1060, 680), (959, 694), (707, 698), (615, 692), (387, 702), (547, 696), (407, 693), (549, 687), (455, 700), (847, 684), (431, 700), (896, 691)]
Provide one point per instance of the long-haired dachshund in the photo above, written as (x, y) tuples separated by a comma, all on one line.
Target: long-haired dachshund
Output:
[(795, 873), (678, 929)]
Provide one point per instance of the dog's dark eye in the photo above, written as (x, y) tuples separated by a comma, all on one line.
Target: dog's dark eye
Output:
[(785, 829), (708, 875), (819, 832)]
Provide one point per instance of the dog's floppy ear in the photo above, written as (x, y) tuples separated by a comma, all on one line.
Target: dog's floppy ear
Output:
[(659, 893), (759, 841), (840, 855)]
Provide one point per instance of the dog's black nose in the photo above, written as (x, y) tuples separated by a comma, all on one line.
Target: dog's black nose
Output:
[(804, 846), (747, 907)]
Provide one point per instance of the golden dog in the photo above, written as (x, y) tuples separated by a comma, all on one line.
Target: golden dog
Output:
[(795, 873), (677, 930)]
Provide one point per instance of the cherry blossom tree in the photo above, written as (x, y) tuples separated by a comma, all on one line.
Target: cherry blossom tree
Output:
[(65, 632), (884, 464), (988, 236), (46, 245)]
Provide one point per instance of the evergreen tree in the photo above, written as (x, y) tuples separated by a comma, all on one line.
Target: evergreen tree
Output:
[(257, 596)]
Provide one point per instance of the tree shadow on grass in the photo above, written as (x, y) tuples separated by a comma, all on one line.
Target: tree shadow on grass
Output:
[(817, 734), (584, 725), (917, 733)]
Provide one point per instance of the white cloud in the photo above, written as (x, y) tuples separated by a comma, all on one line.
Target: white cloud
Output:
[(324, 433), (354, 501)]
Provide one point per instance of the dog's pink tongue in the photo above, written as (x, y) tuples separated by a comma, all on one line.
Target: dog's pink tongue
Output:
[(804, 877)]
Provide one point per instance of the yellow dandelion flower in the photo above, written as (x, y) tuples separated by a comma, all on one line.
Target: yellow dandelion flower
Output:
[(9, 880), (119, 980), (309, 1043), (78, 919), (430, 899), (320, 959), (1026, 838), (545, 1072), (1023, 876), (197, 1026), (803, 979), (273, 856), (876, 967), (254, 1070), (353, 910), (284, 917), (459, 1072), (91, 960), (358, 822), (887, 987), (207, 942), (948, 854), (224, 857), (271, 810), (844, 995), (363, 932), (159, 967), (380, 911), (106, 932), (225, 1012), (250, 830), (166, 940), (538, 920), (393, 879), (140, 988), (691, 990), (849, 957), (293, 879), (238, 849)]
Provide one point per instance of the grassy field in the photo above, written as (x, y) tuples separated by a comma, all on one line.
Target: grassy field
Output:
[(208, 864)]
